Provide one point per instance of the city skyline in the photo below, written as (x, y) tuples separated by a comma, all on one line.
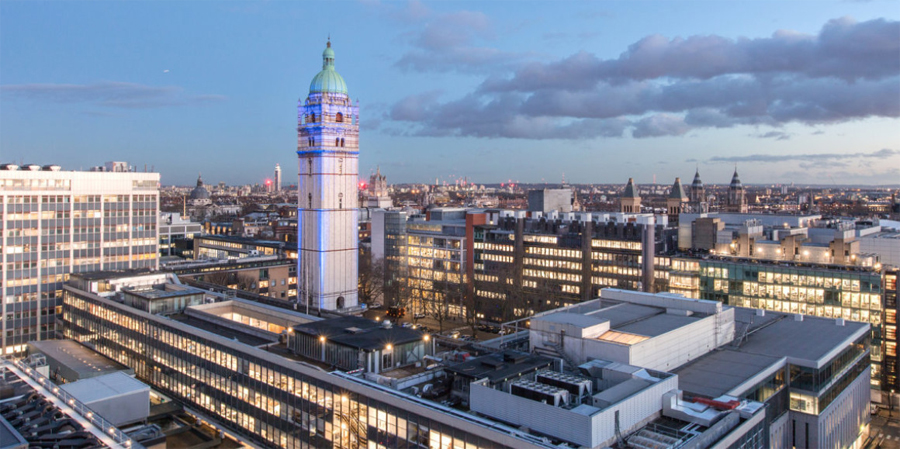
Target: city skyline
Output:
[(805, 92)]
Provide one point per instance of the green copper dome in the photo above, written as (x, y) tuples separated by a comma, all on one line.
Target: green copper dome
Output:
[(328, 80)]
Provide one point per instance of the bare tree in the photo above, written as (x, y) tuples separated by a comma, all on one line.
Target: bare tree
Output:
[(473, 308), (439, 307), (219, 278), (247, 283), (371, 279)]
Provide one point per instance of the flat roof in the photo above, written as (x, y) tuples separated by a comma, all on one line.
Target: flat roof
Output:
[(231, 333), (572, 318), (71, 354), (812, 339), (103, 387), (111, 274), (624, 313), (499, 366), (358, 332), (160, 293), (719, 372), (657, 325), (10, 437)]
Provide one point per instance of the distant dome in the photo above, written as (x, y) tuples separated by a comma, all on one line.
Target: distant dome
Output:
[(199, 192), (328, 80)]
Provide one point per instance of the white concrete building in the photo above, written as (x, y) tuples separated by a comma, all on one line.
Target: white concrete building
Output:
[(328, 216), (58, 222)]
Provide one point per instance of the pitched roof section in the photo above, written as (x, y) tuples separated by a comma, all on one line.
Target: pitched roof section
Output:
[(677, 191), (630, 190)]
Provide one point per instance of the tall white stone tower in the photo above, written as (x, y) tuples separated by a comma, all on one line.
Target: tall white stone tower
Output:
[(277, 177), (328, 218)]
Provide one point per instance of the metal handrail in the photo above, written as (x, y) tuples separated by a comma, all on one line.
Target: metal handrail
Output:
[(117, 435)]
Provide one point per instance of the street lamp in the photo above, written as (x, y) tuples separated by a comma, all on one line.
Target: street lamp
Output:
[(891, 404), (322, 340)]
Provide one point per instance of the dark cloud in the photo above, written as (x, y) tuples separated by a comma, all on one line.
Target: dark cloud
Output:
[(667, 87), (843, 48), (808, 158), (110, 94)]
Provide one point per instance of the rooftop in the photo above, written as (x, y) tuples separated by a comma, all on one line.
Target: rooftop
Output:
[(501, 365), (71, 354), (361, 333)]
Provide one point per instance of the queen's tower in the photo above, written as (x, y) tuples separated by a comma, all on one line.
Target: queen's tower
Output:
[(328, 150)]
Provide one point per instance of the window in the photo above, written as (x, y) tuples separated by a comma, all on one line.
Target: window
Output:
[(342, 142), (340, 200), (337, 142), (339, 117), (341, 166), (310, 201), (312, 118), (309, 173)]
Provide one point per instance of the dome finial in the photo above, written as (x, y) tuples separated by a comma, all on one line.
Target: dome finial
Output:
[(328, 44)]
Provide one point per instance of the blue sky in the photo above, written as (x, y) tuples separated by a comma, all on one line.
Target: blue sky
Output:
[(799, 91)]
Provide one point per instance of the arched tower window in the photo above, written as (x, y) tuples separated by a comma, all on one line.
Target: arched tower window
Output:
[(340, 200), (310, 201), (312, 117), (309, 173), (339, 117), (342, 142)]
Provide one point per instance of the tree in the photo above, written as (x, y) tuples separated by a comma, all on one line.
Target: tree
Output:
[(473, 307), (371, 279), (439, 307), (219, 278), (247, 283)]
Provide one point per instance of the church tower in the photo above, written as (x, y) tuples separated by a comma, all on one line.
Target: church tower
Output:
[(328, 216), (737, 198), (630, 202), (674, 202)]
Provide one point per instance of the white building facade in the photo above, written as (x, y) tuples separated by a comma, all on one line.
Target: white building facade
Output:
[(328, 152), (54, 223)]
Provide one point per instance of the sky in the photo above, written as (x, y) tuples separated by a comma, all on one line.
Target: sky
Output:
[(801, 91)]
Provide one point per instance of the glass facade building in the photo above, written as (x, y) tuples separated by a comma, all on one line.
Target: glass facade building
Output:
[(270, 400), (828, 291)]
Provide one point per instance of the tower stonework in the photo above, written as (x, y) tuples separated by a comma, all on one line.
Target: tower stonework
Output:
[(328, 215)]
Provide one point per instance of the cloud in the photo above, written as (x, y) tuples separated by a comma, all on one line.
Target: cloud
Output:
[(110, 94), (666, 87), (449, 42), (777, 135), (808, 158), (660, 125)]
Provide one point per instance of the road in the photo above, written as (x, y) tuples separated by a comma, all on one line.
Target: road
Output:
[(885, 429)]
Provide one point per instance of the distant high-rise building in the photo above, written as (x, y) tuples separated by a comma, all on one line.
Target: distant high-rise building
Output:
[(277, 186), (328, 216), (59, 222)]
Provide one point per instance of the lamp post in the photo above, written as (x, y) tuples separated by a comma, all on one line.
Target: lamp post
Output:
[(322, 340), (891, 404)]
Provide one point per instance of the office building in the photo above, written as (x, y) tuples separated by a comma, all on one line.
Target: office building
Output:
[(56, 222), (270, 399), (629, 368), (176, 235), (328, 154), (277, 180)]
